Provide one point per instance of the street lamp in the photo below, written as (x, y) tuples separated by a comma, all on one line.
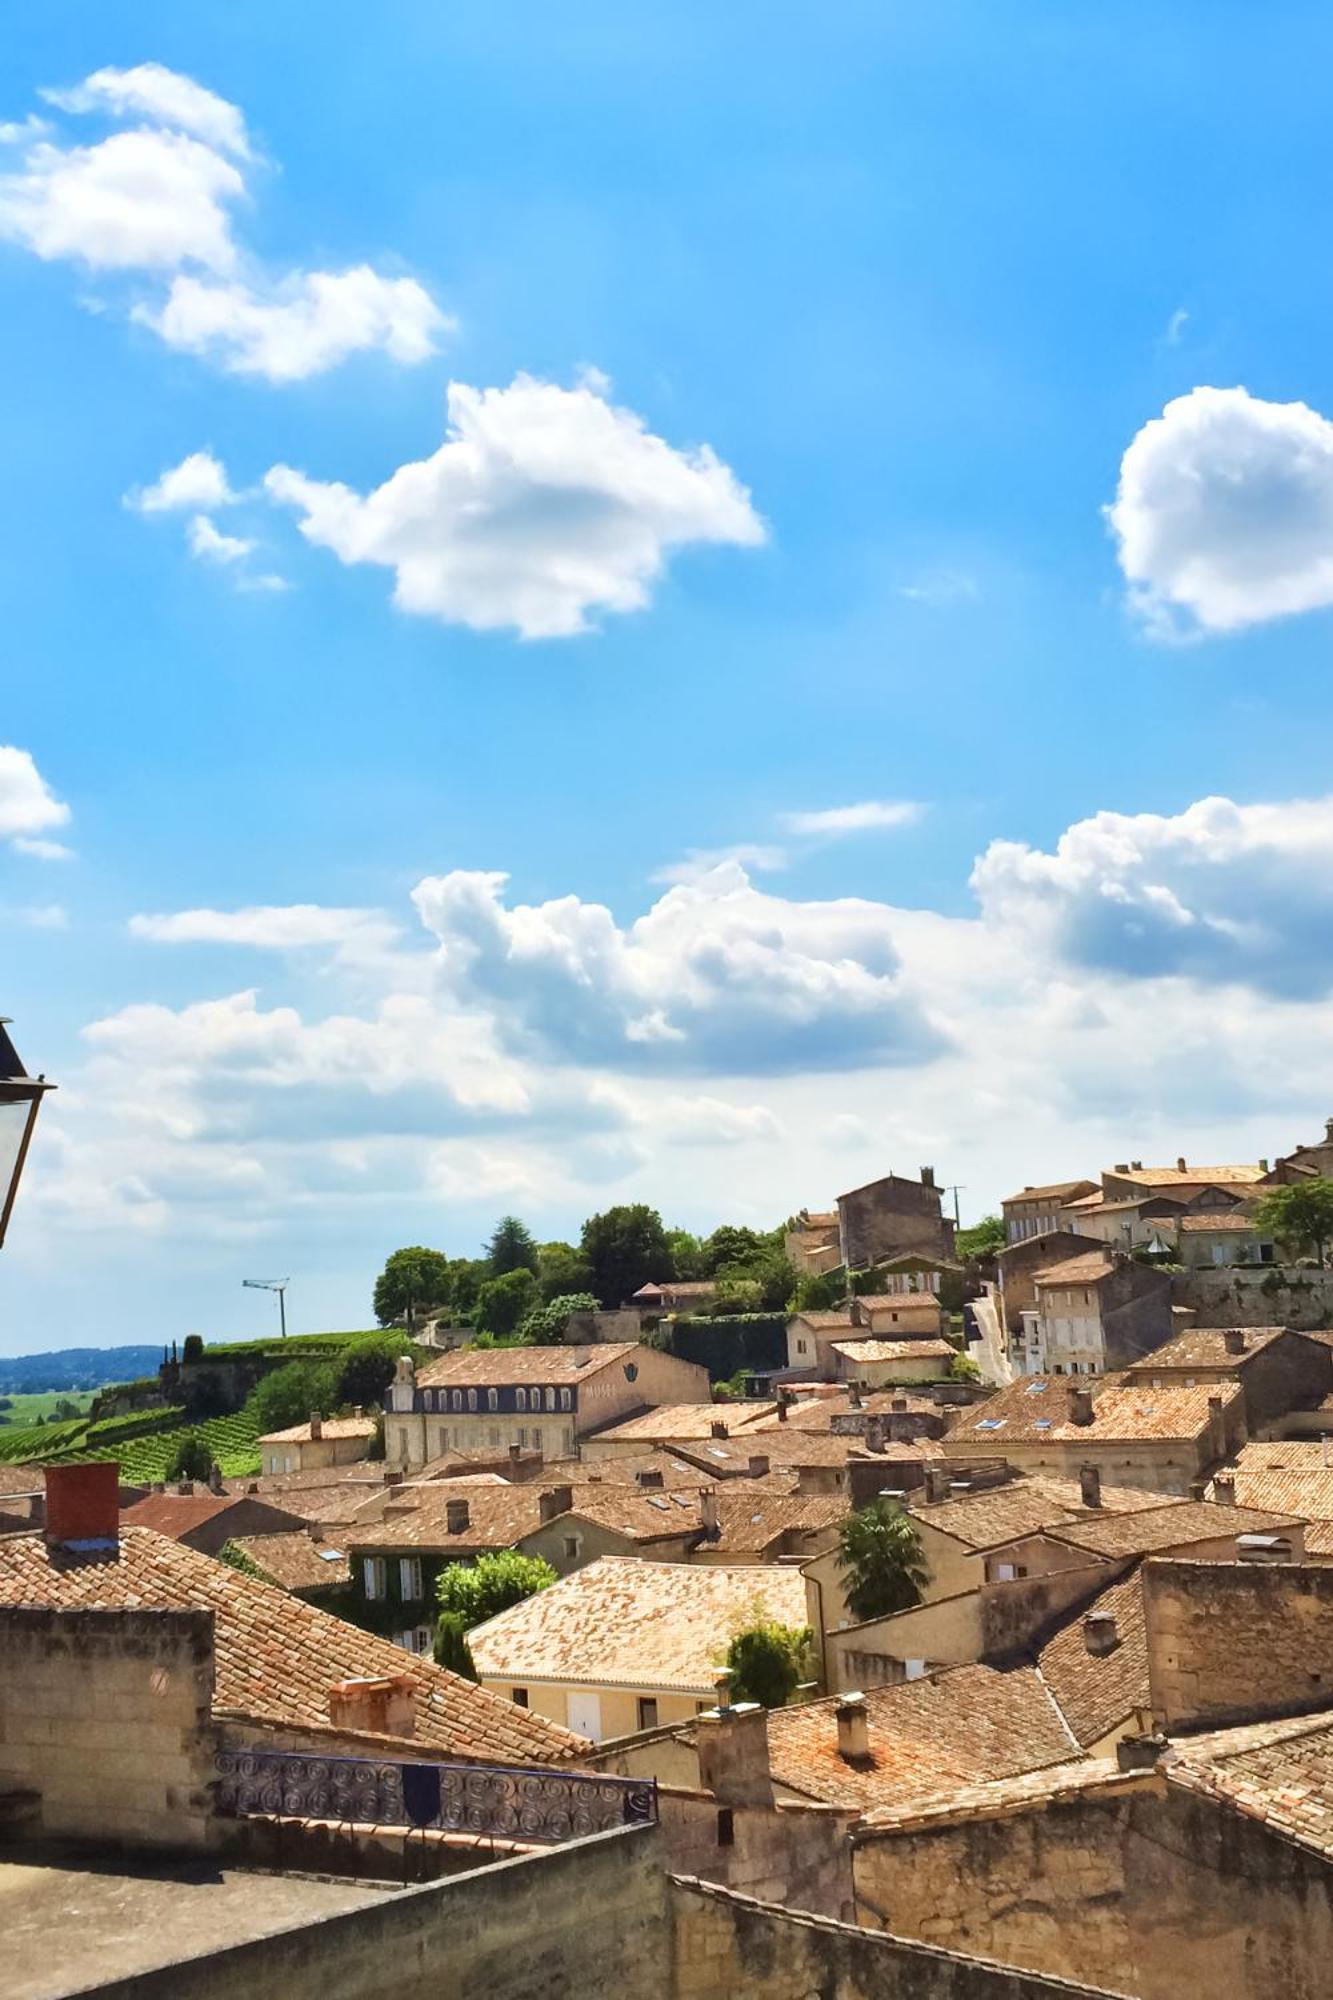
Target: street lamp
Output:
[(20, 1098)]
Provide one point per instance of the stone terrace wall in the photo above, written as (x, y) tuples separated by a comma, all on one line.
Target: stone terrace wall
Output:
[(107, 1715), (1257, 1295), (1237, 1642)]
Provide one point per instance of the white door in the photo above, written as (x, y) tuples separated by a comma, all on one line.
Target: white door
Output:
[(585, 1715)]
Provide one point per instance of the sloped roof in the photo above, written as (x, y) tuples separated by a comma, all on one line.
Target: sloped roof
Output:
[(277, 1656), (295, 1561), (1153, 1530), (999, 1514), (498, 1516), (896, 1301), (332, 1428), (961, 1724), (1089, 1270), (496, 1367), (1206, 1347), (816, 1413), (749, 1522), (1096, 1694), (177, 1514), (1278, 1772), (1054, 1191), (1035, 1410), (638, 1516), (623, 1622), (876, 1349), (687, 1420), (1244, 1175)]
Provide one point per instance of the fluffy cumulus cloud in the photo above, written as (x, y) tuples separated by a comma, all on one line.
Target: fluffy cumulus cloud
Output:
[(29, 809), (200, 480), (1219, 892), (1224, 512), (159, 199), (715, 977), (543, 507)]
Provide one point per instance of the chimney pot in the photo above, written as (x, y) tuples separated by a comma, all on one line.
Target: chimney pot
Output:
[(1180, 1164), (784, 1398), (1234, 1340), (854, 1395), (515, 1453), (1090, 1485), (708, 1514), (457, 1516), (1080, 1404), (1328, 1131), (1224, 1489), (1263, 1166), (1139, 1753), (853, 1729), (937, 1482), (928, 1177), (1099, 1633), (732, 1746), (558, 1500), (382, 1705), (83, 1503), (717, 1430), (897, 1402), (759, 1464), (875, 1434), (1122, 1166), (1135, 1165)]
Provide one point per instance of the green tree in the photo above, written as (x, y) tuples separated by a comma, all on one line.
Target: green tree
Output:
[(467, 1275), (879, 1555), (1300, 1215), (561, 1270), (411, 1279), (366, 1369), (819, 1291), (477, 1591), (625, 1248), (964, 1369), (191, 1459), (503, 1302), (687, 1255), (545, 1327), (451, 1646), (731, 1243), (290, 1394), (767, 1662), (512, 1248), (983, 1239)]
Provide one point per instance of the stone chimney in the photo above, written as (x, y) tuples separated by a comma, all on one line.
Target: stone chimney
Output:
[(1328, 1131), (853, 1730), (515, 1453), (558, 1500), (1122, 1166), (384, 1705), (875, 1434), (1263, 1166), (1234, 1340), (83, 1504), (1217, 1426), (649, 1479), (1090, 1485), (854, 1395), (732, 1747), (316, 1427), (457, 1516), (718, 1429), (1180, 1164), (759, 1463), (1099, 1633), (1139, 1753), (1224, 1489), (937, 1482), (928, 1177), (897, 1403), (708, 1514), (784, 1398), (215, 1484), (1080, 1404)]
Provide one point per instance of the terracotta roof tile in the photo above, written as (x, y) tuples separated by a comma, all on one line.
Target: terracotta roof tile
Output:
[(1191, 1176), (749, 1522), (332, 1428), (479, 1367), (277, 1656), (638, 1516), (1205, 1347), (1055, 1191), (816, 1413), (876, 1350), (1280, 1773), (417, 1517), (1035, 1411), (1155, 1530), (175, 1514), (998, 1514), (1086, 1270), (1097, 1694), (623, 1622), (686, 1420), (296, 1561), (897, 1301)]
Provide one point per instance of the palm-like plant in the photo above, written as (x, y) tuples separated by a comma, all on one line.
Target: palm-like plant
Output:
[(879, 1554)]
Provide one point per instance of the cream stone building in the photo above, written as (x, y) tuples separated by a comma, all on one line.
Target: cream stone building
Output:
[(625, 1645), (322, 1442)]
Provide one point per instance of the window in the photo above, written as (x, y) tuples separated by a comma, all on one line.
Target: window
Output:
[(520, 1399), (458, 1399), (726, 1823), (550, 1399), (800, 1347), (572, 1546), (409, 1578), (537, 1438), (566, 1399), (374, 1576), (427, 1400), (916, 1669), (1009, 1572), (472, 1399), (492, 1399), (494, 1433), (647, 1712), (519, 1696)]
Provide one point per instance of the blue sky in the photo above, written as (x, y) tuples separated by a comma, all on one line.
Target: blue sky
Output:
[(764, 624)]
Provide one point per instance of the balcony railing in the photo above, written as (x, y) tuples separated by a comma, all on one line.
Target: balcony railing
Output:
[(507, 1801)]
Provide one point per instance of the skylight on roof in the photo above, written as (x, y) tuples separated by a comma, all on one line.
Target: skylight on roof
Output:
[(683, 1500), (1038, 1388), (656, 1500), (329, 1555), (1042, 1424), (991, 1424)]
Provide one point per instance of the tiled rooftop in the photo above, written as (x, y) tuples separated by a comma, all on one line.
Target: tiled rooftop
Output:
[(1307, 1493), (1097, 1694), (1224, 1219), (1173, 1526), (639, 1516), (1085, 1270), (1206, 1347), (897, 1301), (481, 1367), (877, 1350), (824, 1322), (417, 1517), (175, 1514), (816, 1413), (332, 1428), (1035, 1410), (686, 1420), (277, 1656), (296, 1561), (1277, 1772), (1049, 1785), (1244, 1175), (782, 1445), (962, 1724), (998, 1514), (623, 1622), (1055, 1191), (750, 1522)]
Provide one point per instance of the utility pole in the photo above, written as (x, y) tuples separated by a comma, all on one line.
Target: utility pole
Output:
[(278, 1285), (955, 1189)]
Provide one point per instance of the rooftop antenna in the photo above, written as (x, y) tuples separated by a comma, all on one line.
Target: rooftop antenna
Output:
[(278, 1285), (955, 1189)]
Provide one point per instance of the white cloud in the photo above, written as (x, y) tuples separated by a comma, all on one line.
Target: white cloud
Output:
[(939, 587), (44, 916), (162, 96), (543, 507), (271, 927), (200, 480), (306, 324), (159, 199), (697, 861), (266, 582), (1175, 327), (717, 976), (211, 545), (870, 816), (41, 850), (1219, 892), (28, 807), (1224, 512)]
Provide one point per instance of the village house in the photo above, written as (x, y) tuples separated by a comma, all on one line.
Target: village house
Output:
[(1225, 1237), (1159, 1439), (1095, 1312), (1037, 1211), (675, 1421), (318, 1444), (813, 1242), (905, 1315), (543, 1398), (1278, 1371), (207, 1521), (305, 1562), (884, 1363), (689, 1295), (810, 1337), (623, 1646), (892, 1217)]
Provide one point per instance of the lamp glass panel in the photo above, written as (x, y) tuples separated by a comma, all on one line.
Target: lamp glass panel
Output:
[(13, 1124)]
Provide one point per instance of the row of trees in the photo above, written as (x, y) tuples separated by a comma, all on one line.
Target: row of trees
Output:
[(617, 1252)]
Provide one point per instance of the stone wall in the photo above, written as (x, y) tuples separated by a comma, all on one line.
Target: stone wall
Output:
[(1131, 1883), (1258, 1295), (107, 1715), (1237, 1642), (889, 1217)]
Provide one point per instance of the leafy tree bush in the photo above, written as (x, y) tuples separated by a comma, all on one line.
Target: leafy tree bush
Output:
[(561, 1270), (879, 1555), (767, 1662), (451, 1646), (625, 1248), (819, 1291), (375, 1452), (503, 1302), (688, 1256), (964, 1369), (1301, 1215), (412, 1278), (193, 1350), (291, 1394), (366, 1370), (545, 1327), (983, 1239), (512, 1248), (477, 1591), (731, 1243), (191, 1459)]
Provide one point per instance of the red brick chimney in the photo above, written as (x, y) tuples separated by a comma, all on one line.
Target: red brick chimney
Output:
[(83, 1502), (379, 1706)]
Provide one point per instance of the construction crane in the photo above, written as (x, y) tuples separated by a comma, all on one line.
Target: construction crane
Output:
[(278, 1285)]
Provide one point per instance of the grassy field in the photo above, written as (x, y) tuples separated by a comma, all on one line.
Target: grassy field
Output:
[(26, 1410)]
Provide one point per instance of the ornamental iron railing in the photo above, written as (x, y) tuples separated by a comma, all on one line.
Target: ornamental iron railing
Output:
[(508, 1801)]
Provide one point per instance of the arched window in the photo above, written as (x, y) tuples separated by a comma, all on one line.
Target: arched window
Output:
[(458, 1399), (520, 1399), (472, 1399), (428, 1399), (566, 1399), (550, 1399), (492, 1399)]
